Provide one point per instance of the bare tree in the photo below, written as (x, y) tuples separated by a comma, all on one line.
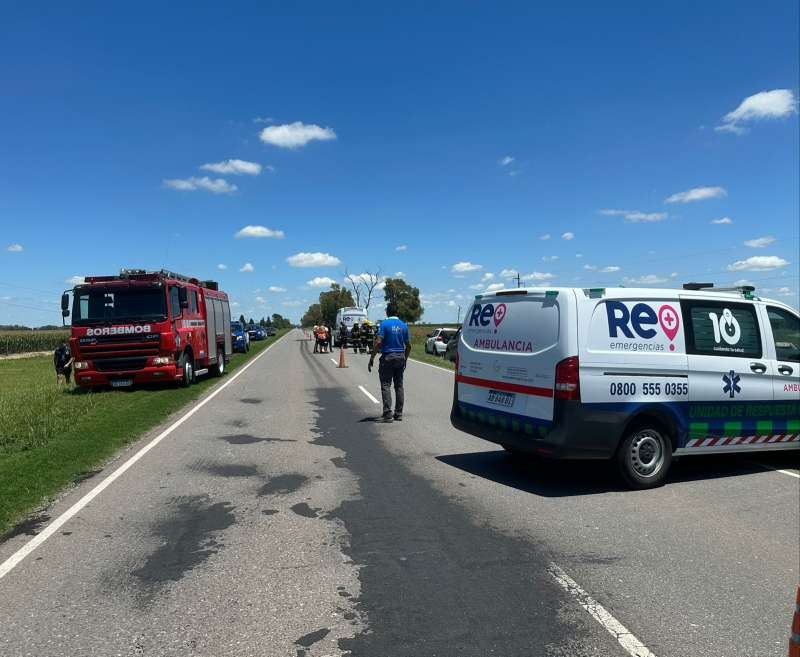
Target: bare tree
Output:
[(364, 286)]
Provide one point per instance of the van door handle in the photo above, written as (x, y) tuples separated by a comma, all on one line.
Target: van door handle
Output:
[(785, 370), (758, 368)]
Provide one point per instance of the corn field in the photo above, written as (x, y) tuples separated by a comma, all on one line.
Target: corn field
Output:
[(20, 342)]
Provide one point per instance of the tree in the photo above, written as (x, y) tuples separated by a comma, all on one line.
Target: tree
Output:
[(405, 297), (330, 302), (363, 286), (241, 319), (313, 316), (280, 322)]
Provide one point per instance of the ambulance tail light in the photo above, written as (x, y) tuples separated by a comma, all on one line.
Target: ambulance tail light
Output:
[(568, 385)]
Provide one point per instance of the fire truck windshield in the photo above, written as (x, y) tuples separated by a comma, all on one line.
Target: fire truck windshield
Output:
[(102, 305)]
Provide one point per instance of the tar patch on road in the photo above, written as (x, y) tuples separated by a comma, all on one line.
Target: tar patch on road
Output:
[(251, 400), (231, 470), (304, 510), (242, 439), (189, 535), (28, 527), (283, 484), (432, 581), (308, 640)]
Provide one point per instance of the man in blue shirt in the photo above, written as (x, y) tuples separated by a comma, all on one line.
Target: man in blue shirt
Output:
[(394, 343)]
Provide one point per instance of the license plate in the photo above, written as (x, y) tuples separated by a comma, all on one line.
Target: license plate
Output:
[(501, 398), (121, 383)]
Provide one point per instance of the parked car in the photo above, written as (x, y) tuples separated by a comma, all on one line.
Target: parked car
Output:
[(240, 338), (436, 343), (271, 331), (452, 347), (256, 332)]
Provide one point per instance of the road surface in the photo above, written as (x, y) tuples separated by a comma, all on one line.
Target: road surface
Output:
[(280, 519)]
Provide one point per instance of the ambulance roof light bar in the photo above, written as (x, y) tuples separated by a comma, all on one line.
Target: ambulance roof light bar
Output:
[(747, 291)]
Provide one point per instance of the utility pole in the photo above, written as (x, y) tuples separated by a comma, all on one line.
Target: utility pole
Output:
[(519, 280), (459, 313)]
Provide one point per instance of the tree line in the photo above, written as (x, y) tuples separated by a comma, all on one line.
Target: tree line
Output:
[(404, 296), (276, 321)]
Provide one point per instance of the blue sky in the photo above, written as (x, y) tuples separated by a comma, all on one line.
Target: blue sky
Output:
[(394, 127)]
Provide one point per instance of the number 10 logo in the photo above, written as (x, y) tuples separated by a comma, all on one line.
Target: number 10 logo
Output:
[(726, 327)]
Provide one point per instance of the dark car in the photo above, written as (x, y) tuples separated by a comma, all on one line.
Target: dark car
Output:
[(256, 332), (452, 347), (240, 338), (271, 331)]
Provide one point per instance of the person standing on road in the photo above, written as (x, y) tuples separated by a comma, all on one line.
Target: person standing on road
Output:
[(394, 343), (62, 361)]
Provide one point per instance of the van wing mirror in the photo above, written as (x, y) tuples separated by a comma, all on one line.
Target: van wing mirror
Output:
[(183, 297)]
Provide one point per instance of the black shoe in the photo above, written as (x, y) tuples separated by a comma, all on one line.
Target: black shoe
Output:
[(398, 417), (387, 418)]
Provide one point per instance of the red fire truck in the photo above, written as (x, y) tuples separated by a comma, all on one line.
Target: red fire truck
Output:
[(146, 327)]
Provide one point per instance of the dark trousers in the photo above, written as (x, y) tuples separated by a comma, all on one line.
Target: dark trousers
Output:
[(390, 370)]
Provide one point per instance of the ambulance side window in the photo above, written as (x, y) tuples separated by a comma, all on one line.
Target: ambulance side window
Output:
[(721, 328), (786, 333), (175, 301)]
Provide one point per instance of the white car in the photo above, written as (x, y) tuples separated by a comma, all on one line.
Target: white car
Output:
[(635, 375), (436, 342)]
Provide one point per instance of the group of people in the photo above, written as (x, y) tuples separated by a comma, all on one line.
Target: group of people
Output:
[(322, 339), (361, 336)]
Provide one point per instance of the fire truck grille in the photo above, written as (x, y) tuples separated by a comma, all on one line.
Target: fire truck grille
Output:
[(111, 345), (120, 364)]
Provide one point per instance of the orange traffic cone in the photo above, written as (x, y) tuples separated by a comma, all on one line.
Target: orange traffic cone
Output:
[(794, 639), (341, 357)]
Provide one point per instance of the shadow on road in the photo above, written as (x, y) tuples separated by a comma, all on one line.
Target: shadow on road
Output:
[(550, 478)]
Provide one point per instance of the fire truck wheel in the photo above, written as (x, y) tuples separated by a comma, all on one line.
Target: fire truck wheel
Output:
[(186, 366), (219, 368)]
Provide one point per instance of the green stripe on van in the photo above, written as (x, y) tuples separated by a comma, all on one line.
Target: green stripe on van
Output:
[(698, 430), (792, 426), (764, 428), (732, 429)]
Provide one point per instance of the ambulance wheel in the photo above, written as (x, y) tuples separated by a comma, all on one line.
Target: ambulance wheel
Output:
[(186, 367), (219, 368), (644, 456)]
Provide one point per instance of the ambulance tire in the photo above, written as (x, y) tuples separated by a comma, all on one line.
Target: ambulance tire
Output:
[(218, 369), (186, 367), (645, 455)]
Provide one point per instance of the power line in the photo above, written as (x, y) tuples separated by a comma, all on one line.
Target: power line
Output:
[(21, 305)]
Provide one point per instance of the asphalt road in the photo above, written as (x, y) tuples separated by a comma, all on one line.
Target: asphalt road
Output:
[(281, 519)]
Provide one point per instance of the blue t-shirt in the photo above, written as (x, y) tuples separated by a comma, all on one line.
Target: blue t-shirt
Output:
[(393, 333)]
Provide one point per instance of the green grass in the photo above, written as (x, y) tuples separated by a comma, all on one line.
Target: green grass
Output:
[(419, 333), (51, 437)]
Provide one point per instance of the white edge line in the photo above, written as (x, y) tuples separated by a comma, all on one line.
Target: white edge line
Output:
[(628, 641), (769, 467), (367, 393), (436, 367), (8, 565)]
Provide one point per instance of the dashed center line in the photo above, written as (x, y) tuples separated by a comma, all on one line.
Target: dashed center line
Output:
[(628, 641), (769, 467), (333, 360), (367, 393)]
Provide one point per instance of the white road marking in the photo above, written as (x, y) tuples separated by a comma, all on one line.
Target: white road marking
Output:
[(367, 393), (632, 645), (8, 565), (769, 467), (333, 360), (436, 367)]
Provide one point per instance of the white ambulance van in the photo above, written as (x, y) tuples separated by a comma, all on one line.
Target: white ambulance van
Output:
[(635, 375), (348, 316)]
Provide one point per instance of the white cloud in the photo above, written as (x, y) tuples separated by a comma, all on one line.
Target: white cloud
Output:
[(760, 242), (568, 236), (292, 303), (399, 274), (494, 287), (722, 221), (697, 194), (578, 255), (295, 135), (508, 273), (477, 286), (465, 267), (320, 281), (546, 236), (758, 263), (261, 300), (504, 162), (15, 248), (590, 267), (315, 259), (647, 279), (452, 304), (247, 268), (233, 167), (215, 185), (743, 281), (765, 105), (539, 276), (514, 173), (674, 275), (609, 269), (263, 119), (222, 267), (549, 258), (275, 288), (488, 276), (785, 291), (259, 231), (74, 280), (235, 304), (402, 247), (636, 216)]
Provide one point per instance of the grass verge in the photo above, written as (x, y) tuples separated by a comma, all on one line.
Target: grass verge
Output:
[(419, 334), (51, 437)]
